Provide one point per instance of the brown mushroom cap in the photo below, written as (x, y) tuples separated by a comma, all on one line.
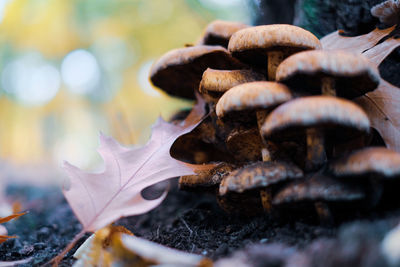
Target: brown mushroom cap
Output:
[(215, 83), (252, 44), (205, 179), (373, 160), (317, 188), (245, 144), (219, 32), (341, 118), (179, 71), (240, 101), (258, 175), (354, 74)]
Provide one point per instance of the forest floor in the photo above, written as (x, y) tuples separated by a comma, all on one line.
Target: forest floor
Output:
[(194, 223)]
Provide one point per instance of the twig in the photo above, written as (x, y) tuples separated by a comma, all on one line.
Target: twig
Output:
[(187, 226), (56, 260)]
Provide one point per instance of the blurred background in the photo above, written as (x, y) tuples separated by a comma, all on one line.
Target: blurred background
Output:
[(70, 69)]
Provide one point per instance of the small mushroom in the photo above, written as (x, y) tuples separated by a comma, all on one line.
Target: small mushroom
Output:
[(219, 32), (251, 102), (215, 83), (207, 180), (333, 73), (179, 71), (202, 145), (318, 120), (321, 191), (266, 46), (245, 144), (262, 177), (387, 12), (376, 165)]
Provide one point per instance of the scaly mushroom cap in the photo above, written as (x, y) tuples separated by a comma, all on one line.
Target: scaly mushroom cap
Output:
[(239, 101), (219, 32), (373, 160), (354, 74), (258, 175), (318, 188), (252, 44), (341, 118), (179, 71), (205, 179), (216, 82)]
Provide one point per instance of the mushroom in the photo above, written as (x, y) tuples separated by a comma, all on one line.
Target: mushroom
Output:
[(215, 83), (207, 180), (179, 71), (219, 32), (321, 191), (266, 46), (262, 177), (387, 12), (251, 102), (377, 165), (318, 120), (202, 145), (340, 73)]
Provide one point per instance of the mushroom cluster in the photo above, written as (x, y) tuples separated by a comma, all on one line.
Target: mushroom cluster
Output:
[(282, 127)]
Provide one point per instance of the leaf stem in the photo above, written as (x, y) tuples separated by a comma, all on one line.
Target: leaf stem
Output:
[(57, 259)]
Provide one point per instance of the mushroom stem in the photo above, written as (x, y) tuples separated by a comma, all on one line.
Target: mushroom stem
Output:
[(315, 148), (328, 86), (266, 199), (261, 115), (274, 59), (324, 213)]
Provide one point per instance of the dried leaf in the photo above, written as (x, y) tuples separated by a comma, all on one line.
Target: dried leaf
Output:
[(4, 237), (98, 199), (383, 108), (358, 44), (383, 105)]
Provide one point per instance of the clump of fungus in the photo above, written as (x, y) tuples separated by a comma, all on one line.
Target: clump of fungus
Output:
[(294, 140)]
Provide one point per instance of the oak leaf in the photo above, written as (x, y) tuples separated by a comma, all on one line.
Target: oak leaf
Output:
[(98, 199), (383, 104)]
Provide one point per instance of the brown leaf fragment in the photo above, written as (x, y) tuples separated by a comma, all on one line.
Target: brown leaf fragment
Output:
[(358, 44), (13, 216), (379, 52), (383, 109)]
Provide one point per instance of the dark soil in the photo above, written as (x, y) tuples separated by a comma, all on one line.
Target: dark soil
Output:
[(193, 222)]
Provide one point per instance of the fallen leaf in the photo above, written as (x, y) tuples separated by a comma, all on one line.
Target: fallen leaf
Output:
[(357, 44), (5, 237), (98, 199), (383, 104)]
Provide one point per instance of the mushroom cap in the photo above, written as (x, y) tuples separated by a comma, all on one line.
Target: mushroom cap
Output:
[(216, 82), (354, 74), (252, 44), (372, 160), (219, 32), (179, 71), (207, 178), (258, 175), (318, 188), (245, 144), (239, 101), (341, 118)]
